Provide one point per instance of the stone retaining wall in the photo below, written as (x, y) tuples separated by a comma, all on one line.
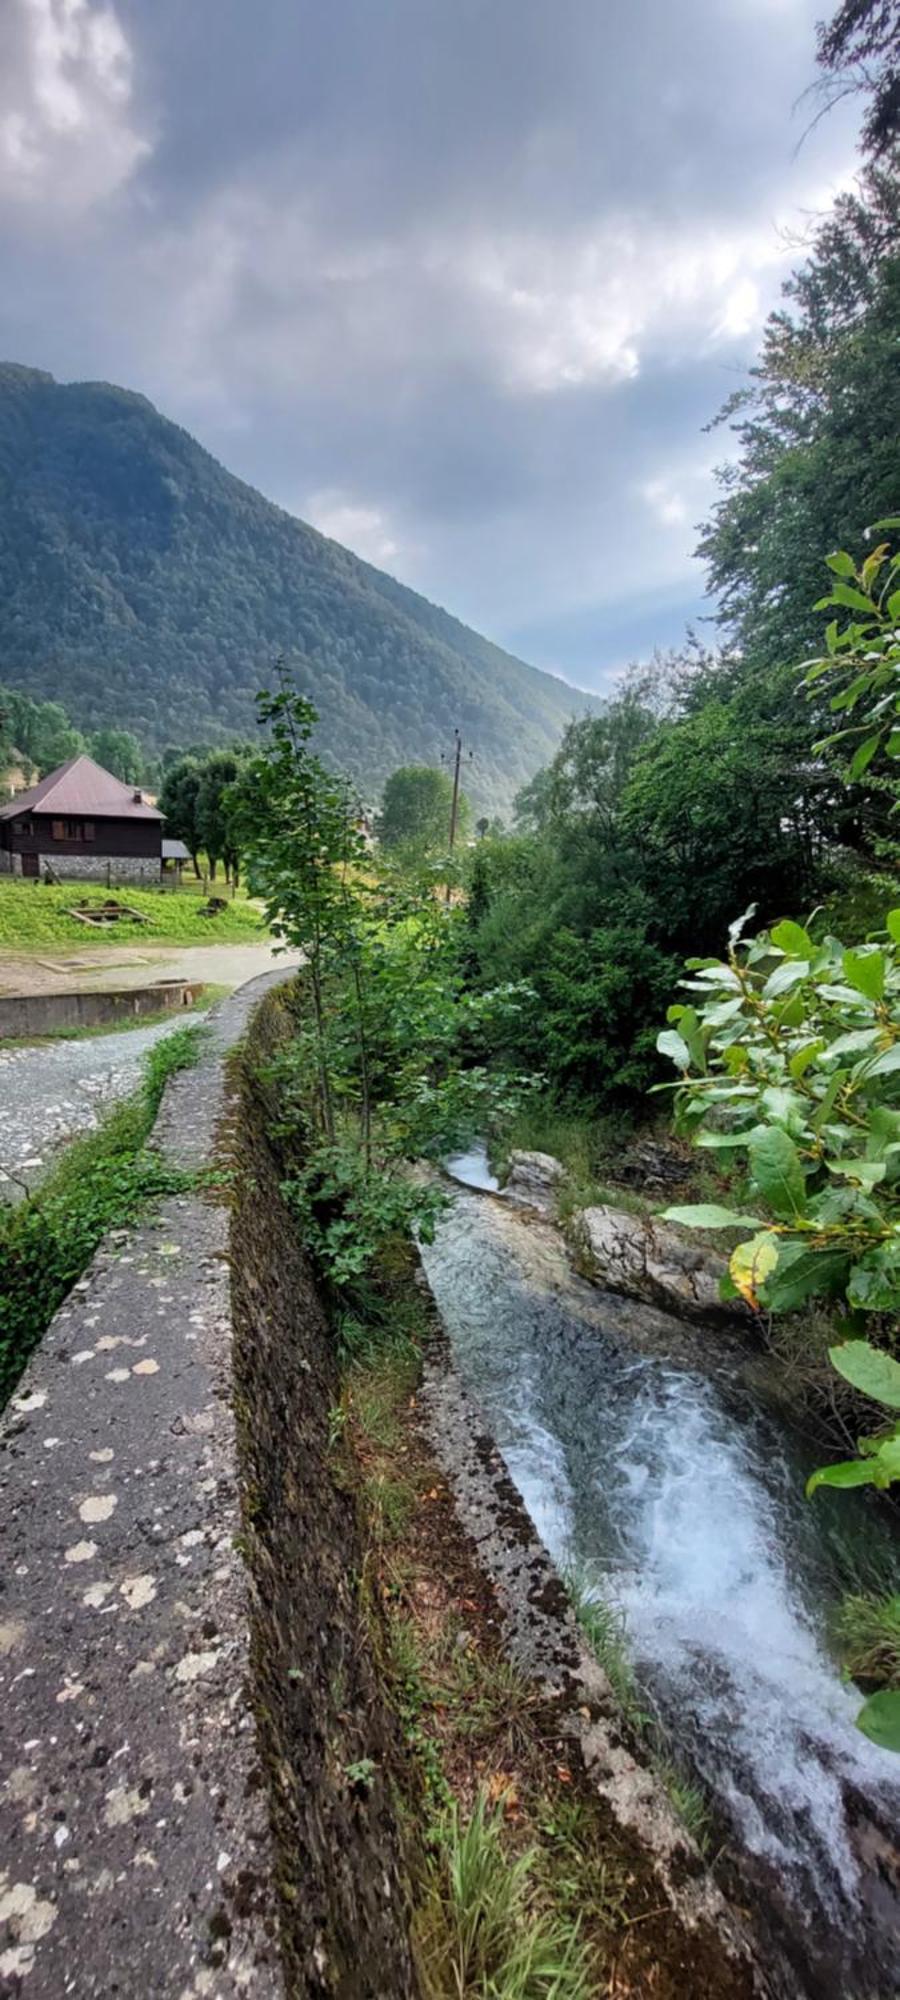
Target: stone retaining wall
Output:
[(45, 1013)]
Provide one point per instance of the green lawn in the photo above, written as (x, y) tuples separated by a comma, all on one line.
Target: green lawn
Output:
[(33, 915)]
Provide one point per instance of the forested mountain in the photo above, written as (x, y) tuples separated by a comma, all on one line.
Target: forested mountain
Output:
[(140, 580)]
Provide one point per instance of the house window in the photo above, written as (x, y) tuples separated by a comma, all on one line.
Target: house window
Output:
[(18, 826), (88, 830), (57, 829)]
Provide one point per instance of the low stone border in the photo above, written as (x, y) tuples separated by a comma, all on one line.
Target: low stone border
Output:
[(44, 1013)]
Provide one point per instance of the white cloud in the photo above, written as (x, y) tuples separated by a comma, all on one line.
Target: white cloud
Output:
[(67, 134), (364, 529)]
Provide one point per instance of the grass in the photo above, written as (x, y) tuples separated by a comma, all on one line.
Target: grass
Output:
[(483, 1928), (33, 917), (867, 1632), (102, 1182)]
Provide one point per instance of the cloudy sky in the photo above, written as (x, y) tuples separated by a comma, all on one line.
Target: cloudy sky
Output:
[(460, 281)]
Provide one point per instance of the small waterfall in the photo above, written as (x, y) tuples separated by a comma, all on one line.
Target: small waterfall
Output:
[(686, 1508)]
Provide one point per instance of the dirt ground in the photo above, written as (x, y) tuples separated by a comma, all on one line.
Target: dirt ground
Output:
[(97, 968)]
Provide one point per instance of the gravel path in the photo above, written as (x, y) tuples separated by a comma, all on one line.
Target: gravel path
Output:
[(50, 1093)]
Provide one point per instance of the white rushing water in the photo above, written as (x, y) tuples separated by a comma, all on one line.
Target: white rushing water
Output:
[(638, 1474)]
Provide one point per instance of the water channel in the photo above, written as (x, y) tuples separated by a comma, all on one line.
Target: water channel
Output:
[(651, 1465)]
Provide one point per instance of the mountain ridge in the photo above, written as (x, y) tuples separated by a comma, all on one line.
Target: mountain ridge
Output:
[(136, 569)]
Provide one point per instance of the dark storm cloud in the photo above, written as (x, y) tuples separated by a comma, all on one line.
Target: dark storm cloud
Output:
[(462, 283)]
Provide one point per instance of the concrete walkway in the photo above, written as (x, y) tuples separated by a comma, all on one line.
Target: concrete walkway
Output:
[(135, 1856)]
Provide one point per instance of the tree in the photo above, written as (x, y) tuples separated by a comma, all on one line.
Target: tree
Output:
[(816, 430), (859, 50), (216, 819), (119, 752), (38, 731), (178, 801), (416, 810)]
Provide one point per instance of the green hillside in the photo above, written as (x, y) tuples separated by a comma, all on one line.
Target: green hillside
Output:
[(139, 580)]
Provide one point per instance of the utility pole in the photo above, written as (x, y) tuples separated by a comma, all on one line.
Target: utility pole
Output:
[(454, 808)]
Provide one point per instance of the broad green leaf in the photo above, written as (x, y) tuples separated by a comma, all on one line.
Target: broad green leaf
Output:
[(670, 1043), (864, 970), (841, 563), (863, 1173), (777, 1171), (788, 974), (862, 757), (844, 593), (893, 924), (802, 1274), (854, 1043), (879, 1718), (793, 940), (710, 1215), (751, 1264), (870, 1370), (848, 1472), (886, 1064), (801, 1058)]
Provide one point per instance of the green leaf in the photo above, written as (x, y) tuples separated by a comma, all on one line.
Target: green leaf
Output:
[(709, 1215), (786, 975), (841, 563), (862, 757), (802, 1274), (864, 970), (870, 1370), (892, 922), (844, 593), (879, 1718), (801, 1058), (793, 940), (670, 1043), (751, 1263), (777, 1170), (848, 1472)]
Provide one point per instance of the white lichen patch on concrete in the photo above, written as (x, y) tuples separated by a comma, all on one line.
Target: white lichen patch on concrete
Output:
[(138, 1591), (98, 1507), (118, 1375), (35, 1401), (84, 1354), (70, 1690), (80, 1552), (124, 1803), (145, 1368), (12, 1632), (28, 1915), (96, 1595), (194, 1665), (101, 1457)]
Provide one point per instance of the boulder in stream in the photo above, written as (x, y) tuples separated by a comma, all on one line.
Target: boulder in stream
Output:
[(534, 1181), (644, 1257)]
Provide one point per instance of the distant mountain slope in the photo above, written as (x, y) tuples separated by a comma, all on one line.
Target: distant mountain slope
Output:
[(141, 583)]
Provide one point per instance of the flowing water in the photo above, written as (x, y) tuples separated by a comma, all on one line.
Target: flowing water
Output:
[(649, 1468)]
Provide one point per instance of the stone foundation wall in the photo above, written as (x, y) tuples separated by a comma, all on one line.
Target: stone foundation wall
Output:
[(111, 868), (10, 864)]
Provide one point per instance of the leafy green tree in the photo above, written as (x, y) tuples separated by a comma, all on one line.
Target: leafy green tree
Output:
[(216, 817), (178, 800), (816, 429), (40, 732), (119, 752), (859, 50), (416, 808)]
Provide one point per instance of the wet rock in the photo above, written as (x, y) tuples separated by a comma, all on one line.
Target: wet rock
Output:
[(641, 1256), (534, 1181)]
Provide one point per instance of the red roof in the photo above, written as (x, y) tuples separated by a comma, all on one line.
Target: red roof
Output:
[(81, 789)]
